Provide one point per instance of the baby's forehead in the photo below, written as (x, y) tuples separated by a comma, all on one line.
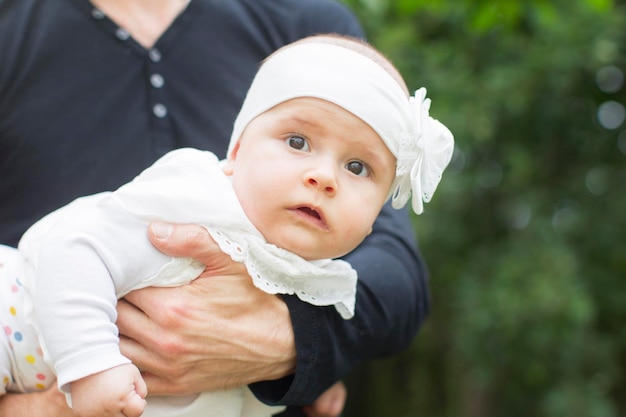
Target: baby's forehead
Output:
[(322, 119)]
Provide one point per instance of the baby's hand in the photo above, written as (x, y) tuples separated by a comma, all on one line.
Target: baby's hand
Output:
[(116, 392)]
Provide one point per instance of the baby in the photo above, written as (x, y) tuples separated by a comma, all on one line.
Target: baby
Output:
[(326, 135)]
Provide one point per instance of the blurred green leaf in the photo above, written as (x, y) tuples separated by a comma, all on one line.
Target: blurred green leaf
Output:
[(525, 236)]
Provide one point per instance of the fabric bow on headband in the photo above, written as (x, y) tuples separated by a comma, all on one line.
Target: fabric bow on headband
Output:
[(423, 155)]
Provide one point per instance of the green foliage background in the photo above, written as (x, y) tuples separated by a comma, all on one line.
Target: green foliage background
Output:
[(525, 238)]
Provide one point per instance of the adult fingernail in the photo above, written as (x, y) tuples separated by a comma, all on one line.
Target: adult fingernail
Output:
[(161, 230)]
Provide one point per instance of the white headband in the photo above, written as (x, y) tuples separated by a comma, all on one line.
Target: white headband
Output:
[(422, 145)]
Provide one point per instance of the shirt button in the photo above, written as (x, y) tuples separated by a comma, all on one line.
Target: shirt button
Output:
[(97, 14), (159, 110), (156, 80), (154, 54), (122, 34)]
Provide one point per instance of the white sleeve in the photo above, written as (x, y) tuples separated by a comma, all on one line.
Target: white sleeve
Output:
[(87, 258), (97, 249)]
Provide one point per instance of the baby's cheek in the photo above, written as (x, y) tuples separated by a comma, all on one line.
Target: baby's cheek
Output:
[(354, 237)]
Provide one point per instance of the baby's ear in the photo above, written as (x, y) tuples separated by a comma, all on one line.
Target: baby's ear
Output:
[(228, 167)]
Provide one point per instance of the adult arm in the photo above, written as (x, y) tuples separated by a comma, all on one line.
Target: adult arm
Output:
[(217, 332), (187, 339), (49, 403)]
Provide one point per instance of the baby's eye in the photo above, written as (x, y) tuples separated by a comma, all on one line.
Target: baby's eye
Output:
[(298, 142), (358, 168)]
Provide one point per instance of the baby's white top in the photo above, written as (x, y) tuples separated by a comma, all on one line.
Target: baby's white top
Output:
[(95, 250)]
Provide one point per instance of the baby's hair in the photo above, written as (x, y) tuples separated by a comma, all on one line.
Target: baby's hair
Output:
[(360, 46)]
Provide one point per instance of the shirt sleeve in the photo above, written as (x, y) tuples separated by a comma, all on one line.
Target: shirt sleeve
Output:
[(87, 258)]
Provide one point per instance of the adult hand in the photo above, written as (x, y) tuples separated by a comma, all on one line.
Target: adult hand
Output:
[(218, 332), (48, 403), (330, 403)]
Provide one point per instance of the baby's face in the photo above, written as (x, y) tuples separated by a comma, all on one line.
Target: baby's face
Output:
[(312, 177)]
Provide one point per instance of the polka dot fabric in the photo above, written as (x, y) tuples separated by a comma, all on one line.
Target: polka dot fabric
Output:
[(22, 368)]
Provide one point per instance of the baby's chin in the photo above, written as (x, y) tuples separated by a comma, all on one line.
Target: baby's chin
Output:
[(319, 253), (306, 252), (311, 245)]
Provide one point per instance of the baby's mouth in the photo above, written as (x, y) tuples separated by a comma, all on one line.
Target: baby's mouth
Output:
[(313, 216), (310, 212)]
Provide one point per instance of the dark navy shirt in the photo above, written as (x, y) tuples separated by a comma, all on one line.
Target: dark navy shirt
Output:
[(84, 108)]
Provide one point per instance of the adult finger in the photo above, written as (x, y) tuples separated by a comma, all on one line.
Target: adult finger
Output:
[(192, 241), (182, 240)]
